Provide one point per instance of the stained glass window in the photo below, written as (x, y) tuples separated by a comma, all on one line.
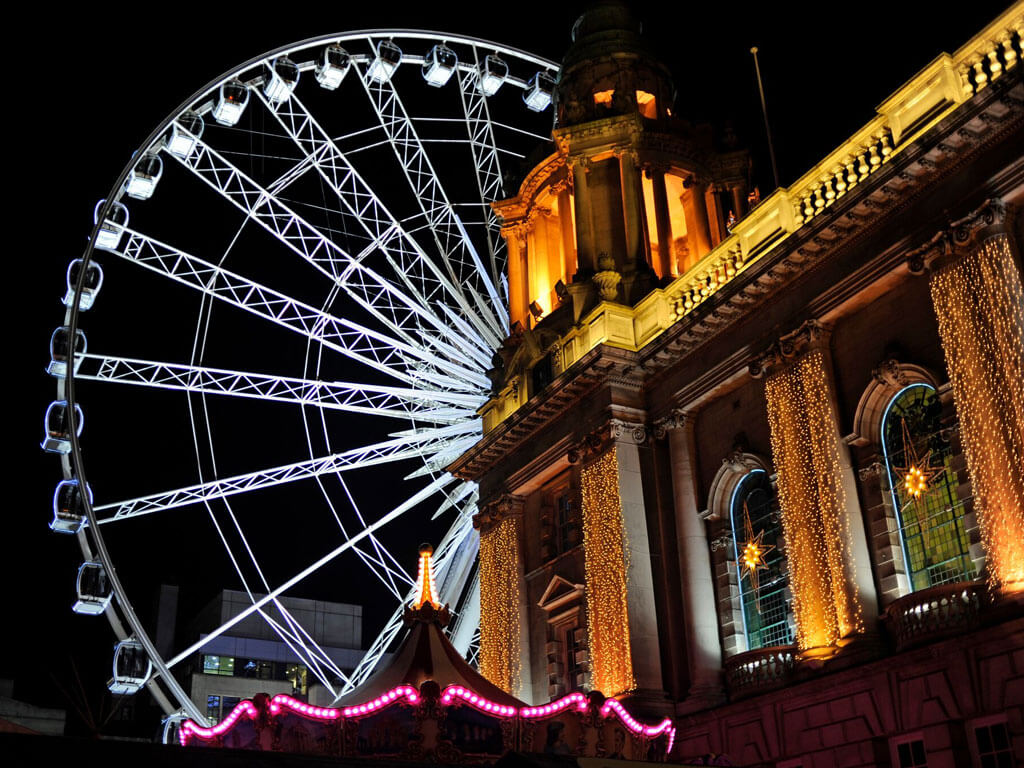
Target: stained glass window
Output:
[(766, 611), (923, 486)]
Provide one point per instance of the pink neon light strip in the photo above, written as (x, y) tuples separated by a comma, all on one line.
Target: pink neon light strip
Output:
[(637, 727), (318, 713), (484, 705), (556, 706), (190, 728), (383, 700)]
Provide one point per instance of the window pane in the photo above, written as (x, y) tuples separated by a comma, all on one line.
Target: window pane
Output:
[(766, 609), (929, 511)]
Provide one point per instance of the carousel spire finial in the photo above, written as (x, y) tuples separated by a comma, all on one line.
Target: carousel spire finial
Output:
[(427, 606)]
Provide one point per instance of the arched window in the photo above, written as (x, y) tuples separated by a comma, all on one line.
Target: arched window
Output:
[(754, 515), (923, 487)]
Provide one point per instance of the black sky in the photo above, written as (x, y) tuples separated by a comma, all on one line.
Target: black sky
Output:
[(96, 83)]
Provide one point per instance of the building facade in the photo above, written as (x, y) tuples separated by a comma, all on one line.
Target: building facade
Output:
[(757, 464)]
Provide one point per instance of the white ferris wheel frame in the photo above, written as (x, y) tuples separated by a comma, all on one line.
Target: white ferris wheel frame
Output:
[(456, 293)]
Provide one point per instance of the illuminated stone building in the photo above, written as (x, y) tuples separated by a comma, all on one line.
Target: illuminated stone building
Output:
[(757, 464)]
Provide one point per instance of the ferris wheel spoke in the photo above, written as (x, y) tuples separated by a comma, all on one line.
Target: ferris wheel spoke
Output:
[(485, 159), (388, 570), (364, 285), (405, 447), (445, 454), (380, 225), (345, 546), (350, 339), (353, 398), (448, 230), (461, 491)]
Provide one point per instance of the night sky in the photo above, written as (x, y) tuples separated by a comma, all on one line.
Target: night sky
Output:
[(98, 84)]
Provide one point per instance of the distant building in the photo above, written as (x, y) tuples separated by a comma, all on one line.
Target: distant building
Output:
[(252, 658), (21, 717), (758, 464)]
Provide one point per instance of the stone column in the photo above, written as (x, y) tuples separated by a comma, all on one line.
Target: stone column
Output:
[(504, 636), (632, 209), (568, 233), (517, 275), (666, 262), (698, 233), (826, 543), (738, 200), (979, 301), (586, 255), (621, 612), (716, 216), (703, 647)]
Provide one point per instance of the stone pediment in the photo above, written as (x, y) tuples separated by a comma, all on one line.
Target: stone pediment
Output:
[(559, 593)]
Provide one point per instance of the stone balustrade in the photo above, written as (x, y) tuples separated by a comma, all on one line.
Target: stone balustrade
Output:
[(764, 669), (935, 613)]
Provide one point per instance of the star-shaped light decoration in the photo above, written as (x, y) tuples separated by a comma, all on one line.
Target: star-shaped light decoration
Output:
[(751, 557), (917, 475)]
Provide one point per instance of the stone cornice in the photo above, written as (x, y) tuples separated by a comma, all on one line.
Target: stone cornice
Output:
[(601, 365)]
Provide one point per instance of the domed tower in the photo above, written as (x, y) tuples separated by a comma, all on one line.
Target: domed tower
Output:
[(632, 197)]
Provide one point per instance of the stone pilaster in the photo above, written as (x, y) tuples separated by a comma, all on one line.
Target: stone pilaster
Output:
[(621, 611), (979, 301), (504, 636), (703, 648), (826, 544)]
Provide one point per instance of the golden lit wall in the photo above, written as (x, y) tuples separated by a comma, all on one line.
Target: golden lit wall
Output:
[(499, 604), (607, 566), (980, 307), (806, 453)]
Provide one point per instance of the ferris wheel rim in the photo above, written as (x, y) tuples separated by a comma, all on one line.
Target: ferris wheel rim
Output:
[(90, 538)]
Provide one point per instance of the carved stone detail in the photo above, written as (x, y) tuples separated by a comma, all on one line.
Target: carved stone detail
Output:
[(960, 237), (627, 431), (676, 419), (493, 512), (874, 469), (789, 347), (890, 372)]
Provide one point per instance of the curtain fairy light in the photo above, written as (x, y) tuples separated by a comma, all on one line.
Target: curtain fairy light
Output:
[(979, 303), (499, 604), (606, 563), (805, 448)]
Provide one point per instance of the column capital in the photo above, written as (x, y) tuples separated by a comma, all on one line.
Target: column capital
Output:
[(496, 510), (625, 152), (579, 162), (789, 347), (652, 168), (613, 431), (677, 418), (961, 236)]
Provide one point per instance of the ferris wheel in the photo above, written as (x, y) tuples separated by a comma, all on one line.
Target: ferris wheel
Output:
[(292, 297)]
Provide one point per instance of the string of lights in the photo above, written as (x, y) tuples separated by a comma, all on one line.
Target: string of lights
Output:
[(812, 500), (499, 604), (607, 566), (979, 303)]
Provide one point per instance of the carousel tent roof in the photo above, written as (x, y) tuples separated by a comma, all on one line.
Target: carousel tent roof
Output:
[(426, 653)]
